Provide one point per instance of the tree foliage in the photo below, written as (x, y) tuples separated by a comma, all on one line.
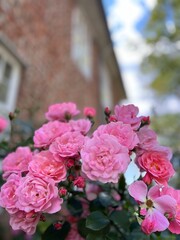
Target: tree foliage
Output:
[(162, 36)]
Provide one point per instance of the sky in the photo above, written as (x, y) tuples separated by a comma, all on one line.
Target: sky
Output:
[(126, 20)]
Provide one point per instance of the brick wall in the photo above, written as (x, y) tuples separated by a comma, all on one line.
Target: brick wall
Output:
[(41, 33)]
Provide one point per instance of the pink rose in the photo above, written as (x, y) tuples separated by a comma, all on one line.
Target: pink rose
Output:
[(147, 138), (148, 142), (92, 191), (128, 114), (123, 132), (153, 206), (37, 194), (62, 111), (157, 166), (83, 126), (3, 124), (8, 197), (25, 221), (43, 165), (104, 158), (68, 145), (174, 225), (16, 162), (79, 182), (45, 135), (89, 112)]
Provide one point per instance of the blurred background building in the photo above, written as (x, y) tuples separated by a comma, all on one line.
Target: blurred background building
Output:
[(56, 51)]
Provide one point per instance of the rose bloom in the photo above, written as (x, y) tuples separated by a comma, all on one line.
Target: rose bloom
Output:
[(157, 166), (153, 206), (40, 195), (16, 162), (123, 132), (3, 124), (61, 111), (147, 138), (83, 126), (174, 225), (148, 142), (104, 158), (25, 221), (128, 114), (68, 145), (43, 165), (89, 112), (45, 135), (8, 197)]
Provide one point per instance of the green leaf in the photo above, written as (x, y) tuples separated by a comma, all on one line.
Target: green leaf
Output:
[(75, 207), (82, 229), (120, 219), (94, 236), (105, 199), (112, 236), (96, 205), (97, 221), (53, 234)]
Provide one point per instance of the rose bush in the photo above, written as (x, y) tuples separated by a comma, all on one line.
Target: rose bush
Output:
[(71, 178)]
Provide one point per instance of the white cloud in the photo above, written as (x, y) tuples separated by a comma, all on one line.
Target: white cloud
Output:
[(126, 13), (151, 3)]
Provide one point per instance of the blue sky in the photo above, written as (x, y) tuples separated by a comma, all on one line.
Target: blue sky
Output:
[(126, 20)]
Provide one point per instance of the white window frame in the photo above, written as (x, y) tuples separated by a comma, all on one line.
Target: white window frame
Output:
[(10, 103)]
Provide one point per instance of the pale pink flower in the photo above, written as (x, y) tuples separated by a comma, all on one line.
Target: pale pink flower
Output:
[(174, 225), (89, 112), (155, 206), (25, 221), (38, 194), (16, 162), (128, 114), (157, 166), (68, 145), (147, 138), (123, 132), (43, 165), (62, 111), (3, 124), (45, 135), (148, 142), (8, 196), (92, 191), (104, 158), (82, 125)]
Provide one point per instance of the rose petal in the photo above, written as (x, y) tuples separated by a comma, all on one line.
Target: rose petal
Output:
[(138, 190)]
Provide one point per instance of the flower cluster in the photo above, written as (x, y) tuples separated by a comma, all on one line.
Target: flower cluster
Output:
[(66, 160)]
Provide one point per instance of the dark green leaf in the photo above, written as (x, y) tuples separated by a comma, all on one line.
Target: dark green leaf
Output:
[(82, 229), (96, 205), (94, 236), (97, 221), (52, 234), (112, 236), (75, 207), (120, 219), (105, 199)]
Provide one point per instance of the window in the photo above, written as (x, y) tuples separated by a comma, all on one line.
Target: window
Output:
[(10, 70), (81, 45), (106, 97)]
